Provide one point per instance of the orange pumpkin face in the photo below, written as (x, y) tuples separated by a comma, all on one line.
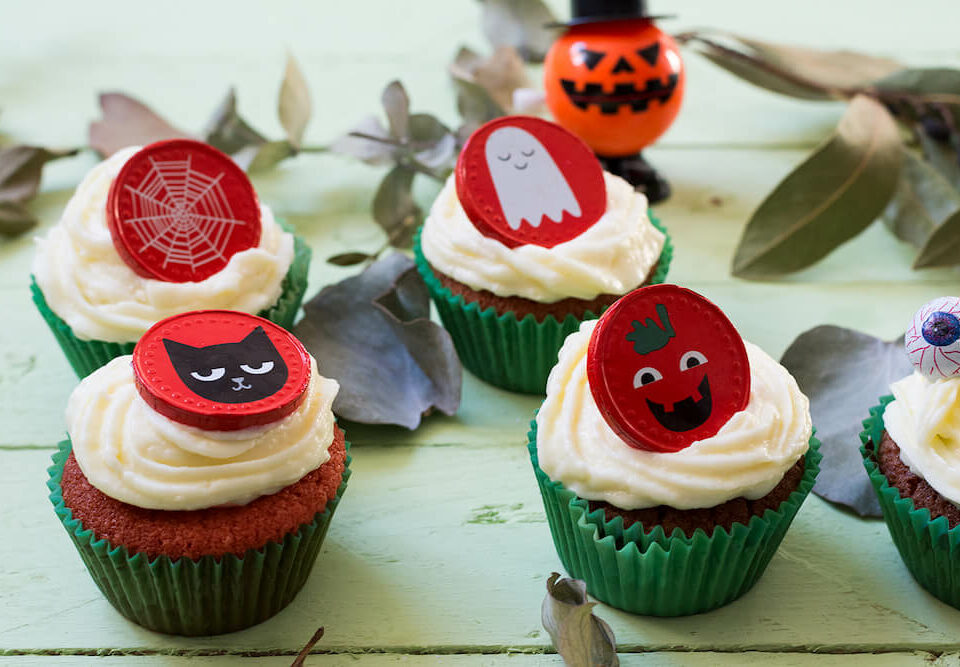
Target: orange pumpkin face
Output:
[(617, 85)]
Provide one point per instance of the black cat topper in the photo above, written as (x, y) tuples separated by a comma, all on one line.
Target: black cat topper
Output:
[(221, 370)]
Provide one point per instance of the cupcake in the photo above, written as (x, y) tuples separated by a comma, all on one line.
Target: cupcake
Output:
[(910, 451), (671, 455), (201, 473), (527, 239), (156, 231)]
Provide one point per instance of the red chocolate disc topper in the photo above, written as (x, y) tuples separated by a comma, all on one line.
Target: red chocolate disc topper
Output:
[(180, 209), (667, 368), (523, 180), (221, 370)]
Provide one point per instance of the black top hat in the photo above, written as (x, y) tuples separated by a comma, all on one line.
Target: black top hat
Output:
[(596, 11)]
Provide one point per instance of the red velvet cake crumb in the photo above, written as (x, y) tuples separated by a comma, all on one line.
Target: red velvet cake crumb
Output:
[(208, 532)]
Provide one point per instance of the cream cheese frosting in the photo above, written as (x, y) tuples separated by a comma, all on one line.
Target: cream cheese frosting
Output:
[(87, 284), (613, 256), (924, 421), (747, 457), (136, 455)]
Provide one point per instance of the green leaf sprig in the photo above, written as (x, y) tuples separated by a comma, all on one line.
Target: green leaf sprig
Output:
[(870, 167)]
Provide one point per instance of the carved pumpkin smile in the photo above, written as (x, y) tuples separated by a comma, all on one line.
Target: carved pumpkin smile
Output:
[(624, 94)]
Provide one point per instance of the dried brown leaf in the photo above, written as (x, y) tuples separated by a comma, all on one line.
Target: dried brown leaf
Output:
[(500, 75), (790, 70), (127, 122), (580, 638), (524, 25), (293, 105)]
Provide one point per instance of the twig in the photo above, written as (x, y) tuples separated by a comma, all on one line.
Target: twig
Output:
[(298, 661)]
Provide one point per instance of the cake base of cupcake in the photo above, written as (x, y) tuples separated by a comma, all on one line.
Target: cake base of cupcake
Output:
[(927, 544), (642, 569), (164, 584), (506, 341)]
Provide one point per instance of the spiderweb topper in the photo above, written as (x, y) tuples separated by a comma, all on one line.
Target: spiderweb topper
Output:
[(179, 210), (933, 339)]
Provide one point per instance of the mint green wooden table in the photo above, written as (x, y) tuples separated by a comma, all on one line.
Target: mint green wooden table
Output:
[(441, 550)]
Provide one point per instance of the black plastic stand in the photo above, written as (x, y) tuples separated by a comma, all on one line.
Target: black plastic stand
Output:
[(640, 174)]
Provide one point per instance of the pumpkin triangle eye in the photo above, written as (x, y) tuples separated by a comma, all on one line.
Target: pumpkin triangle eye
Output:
[(591, 58), (622, 66), (650, 54)]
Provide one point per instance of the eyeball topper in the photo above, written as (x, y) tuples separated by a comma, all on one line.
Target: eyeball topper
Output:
[(522, 180), (667, 368), (221, 370), (180, 209), (933, 339)]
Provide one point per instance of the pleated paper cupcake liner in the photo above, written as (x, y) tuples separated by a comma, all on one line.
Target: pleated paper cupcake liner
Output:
[(645, 571), (86, 356), (929, 548), (207, 596), (502, 350)]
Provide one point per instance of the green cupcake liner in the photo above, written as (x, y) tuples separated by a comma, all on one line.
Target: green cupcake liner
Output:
[(86, 356), (208, 596), (502, 350), (650, 573), (929, 548)]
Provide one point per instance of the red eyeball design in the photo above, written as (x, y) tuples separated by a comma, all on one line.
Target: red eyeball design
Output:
[(180, 209), (667, 368), (221, 370), (933, 339), (523, 180)]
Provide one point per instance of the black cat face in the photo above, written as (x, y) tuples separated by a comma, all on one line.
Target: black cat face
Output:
[(241, 372)]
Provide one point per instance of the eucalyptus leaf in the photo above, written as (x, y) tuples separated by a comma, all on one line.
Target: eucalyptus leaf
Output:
[(293, 104), (264, 156), (500, 75), (396, 104), (830, 198), (21, 167), (475, 105), (228, 131), (942, 248), (382, 149), (580, 638), (924, 202), (372, 333), (433, 143), (394, 208), (15, 219), (349, 258), (799, 72), (521, 24), (127, 122), (844, 373), (937, 85), (942, 156)]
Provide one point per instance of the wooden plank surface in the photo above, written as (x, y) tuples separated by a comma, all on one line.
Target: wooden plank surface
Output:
[(441, 547)]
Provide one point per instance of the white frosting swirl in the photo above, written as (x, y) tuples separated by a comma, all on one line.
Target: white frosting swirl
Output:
[(613, 256), (136, 455), (924, 421), (88, 285), (747, 457)]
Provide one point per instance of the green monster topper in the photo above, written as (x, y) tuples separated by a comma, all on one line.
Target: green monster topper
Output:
[(651, 337)]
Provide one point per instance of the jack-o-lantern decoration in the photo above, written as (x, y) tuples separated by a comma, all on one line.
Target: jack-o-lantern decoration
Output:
[(667, 368), (617, 84)]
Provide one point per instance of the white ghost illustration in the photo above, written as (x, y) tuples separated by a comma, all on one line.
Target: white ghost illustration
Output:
[(527, 180)]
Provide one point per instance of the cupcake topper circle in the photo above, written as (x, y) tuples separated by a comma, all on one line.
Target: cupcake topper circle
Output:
[(667, 368), (221, 370), (523, 180), (933, 339), (180, 209)]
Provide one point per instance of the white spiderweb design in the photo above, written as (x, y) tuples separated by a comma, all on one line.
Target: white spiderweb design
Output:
[(182, 213), (931, 360)]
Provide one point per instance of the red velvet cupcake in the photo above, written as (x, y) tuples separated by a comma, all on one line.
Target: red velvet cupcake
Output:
[(202, 472)]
